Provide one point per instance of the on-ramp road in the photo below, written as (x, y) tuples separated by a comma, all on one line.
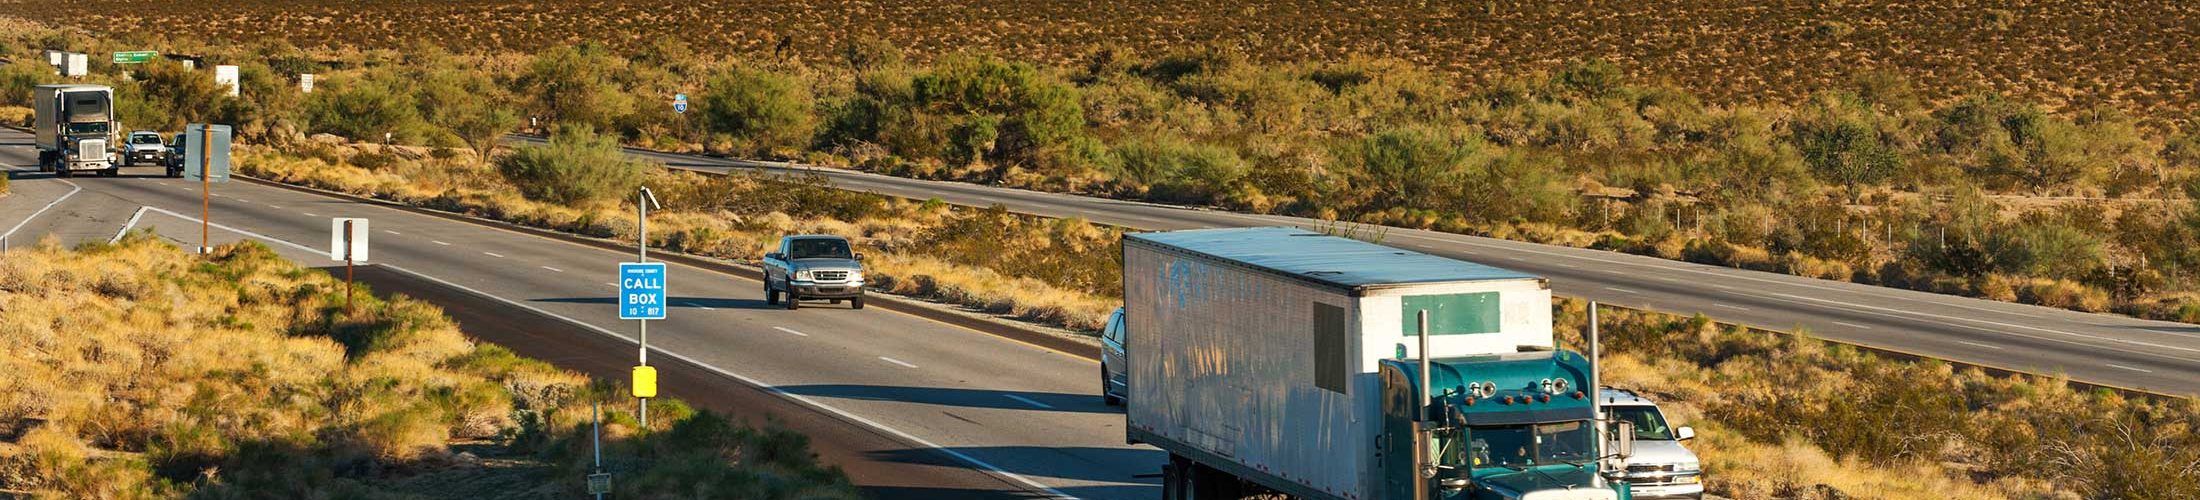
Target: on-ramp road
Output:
[(2155, 356)]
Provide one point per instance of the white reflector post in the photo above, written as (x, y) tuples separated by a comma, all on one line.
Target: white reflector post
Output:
[(347, 245)]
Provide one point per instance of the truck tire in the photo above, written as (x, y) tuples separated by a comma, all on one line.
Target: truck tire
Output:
[(771, 297), (61, 172), (793, 301), (856, 302)]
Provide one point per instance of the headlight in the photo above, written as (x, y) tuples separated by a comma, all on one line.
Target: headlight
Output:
[(855, 275), (802, 275), (1687, 467)]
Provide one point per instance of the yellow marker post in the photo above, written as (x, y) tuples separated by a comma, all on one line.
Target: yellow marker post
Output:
[(645, 382)]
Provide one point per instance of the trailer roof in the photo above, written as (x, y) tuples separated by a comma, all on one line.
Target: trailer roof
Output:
[(73, 86), (1340, 262)]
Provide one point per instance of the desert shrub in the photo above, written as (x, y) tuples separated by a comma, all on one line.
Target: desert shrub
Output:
[(578, 166), (467, 105), (1845, 142), (2046, 247), (17, 80), (1415, 167), (574, 85), (1035, 111), (762, 110), (1173, 169), (366, 109)]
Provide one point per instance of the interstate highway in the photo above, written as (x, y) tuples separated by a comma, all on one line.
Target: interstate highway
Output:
[(2153, 356)]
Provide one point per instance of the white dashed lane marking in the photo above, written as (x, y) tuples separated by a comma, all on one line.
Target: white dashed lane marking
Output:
[(493, 254), (790, 330), (904, 364), (1028, 401), (553, 269)]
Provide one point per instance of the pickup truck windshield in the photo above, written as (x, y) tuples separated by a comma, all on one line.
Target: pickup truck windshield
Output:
[(88, 128), (1531, 445), (1649, 425), (145, 139), (818, 249)]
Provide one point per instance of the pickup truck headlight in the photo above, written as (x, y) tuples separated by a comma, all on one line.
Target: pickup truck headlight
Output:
[(855, 276), (1687, 467), (802, 275)]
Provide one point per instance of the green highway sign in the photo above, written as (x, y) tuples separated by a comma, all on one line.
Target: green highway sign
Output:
[(135, 57)]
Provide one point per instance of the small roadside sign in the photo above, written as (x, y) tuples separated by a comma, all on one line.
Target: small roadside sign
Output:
[(645, 382), (305, 83), (196, 160), (599, 483), (226, 76), (75, 65), (347, 239), (135, 57), (641, 290), (680, 103)]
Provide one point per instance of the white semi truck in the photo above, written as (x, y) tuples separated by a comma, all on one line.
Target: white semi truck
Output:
[(1277, 360), (75, 128)]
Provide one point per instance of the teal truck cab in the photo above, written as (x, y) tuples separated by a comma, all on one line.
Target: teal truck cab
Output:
[(1504, 426)]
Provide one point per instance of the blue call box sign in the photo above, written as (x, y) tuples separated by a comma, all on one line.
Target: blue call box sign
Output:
[(641, 290)]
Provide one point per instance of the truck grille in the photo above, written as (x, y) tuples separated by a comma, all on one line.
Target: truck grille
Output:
[(1649, 468), (830, 275)]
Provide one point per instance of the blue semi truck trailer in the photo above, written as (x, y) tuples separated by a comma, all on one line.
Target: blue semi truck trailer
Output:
[(1281, 361)]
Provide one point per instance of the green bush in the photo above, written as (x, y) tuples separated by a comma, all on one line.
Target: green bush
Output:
[(364, 110), (574, 85), (763, 111), (576, 167)]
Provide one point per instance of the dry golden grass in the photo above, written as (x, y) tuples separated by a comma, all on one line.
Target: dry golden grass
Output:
[(139, 371), (16, 116)]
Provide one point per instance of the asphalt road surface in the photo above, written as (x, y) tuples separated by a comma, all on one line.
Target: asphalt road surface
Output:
[(909, 406), (2154, 356)]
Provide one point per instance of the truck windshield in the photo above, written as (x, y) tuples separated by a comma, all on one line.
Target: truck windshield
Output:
[(818, 248), (88, 128), (145, 139), (1530, 445), (1649, 424)]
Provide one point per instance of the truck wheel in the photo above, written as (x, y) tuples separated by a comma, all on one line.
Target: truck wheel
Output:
[(771, 297), (856, 303), (61, 172), (793, 301)]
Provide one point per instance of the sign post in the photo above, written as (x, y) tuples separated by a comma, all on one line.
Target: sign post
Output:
[(680, 103), (347, 242), (642, 298), (206, 158)]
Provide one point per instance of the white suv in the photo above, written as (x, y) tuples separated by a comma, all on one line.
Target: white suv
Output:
[(1660, 467)]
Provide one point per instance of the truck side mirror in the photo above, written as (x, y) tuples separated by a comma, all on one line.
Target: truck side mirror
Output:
[(1626, 440), (1685, 433), (772, 256), (859, 256)]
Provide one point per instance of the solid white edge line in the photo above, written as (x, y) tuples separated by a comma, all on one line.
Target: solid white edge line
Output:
[(790, 330), (1028, 401), (1728, 306), (1621, 290), (1852, 325), (996, 470), (73, 189), (127, 225), (2140, 370)]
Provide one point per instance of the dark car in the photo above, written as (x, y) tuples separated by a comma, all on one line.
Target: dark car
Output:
[(1114, 382), (174, 160), (813, 267)]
